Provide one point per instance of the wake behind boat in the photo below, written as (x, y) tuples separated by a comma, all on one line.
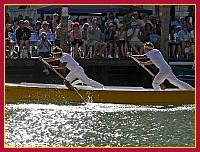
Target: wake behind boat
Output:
[(57, 93)]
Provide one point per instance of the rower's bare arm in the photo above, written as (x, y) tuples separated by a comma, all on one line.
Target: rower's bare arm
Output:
[(146, 63), (60, 66), (139, 56)]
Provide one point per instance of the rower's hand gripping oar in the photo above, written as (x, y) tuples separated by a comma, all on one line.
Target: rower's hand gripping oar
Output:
[(151, 73), (67, 83)]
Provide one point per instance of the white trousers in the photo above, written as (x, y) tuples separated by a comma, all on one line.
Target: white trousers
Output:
[(79, 73), (168, 74)]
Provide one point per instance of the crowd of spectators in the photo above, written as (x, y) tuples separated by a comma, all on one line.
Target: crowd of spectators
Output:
[(110, 38)]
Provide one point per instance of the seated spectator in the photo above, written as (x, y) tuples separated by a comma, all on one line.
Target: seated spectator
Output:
[(121, 37), (173, 43), (110, 34), (84, 33), (95, 39), (183, 37), (134, 39), (23, 34), (188, 49), (8, 41), (45, 28), (44, 46), (75, 37)]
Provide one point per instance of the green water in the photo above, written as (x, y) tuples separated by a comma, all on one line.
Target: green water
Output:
[(99, 125)]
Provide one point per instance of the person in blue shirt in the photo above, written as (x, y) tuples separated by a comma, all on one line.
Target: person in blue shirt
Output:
[(184, 36)]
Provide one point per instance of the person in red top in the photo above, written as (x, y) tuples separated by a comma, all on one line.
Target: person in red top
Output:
[(75, 37)]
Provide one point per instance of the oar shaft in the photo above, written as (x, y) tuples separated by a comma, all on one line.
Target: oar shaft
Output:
[(62, 77), (151, 73)]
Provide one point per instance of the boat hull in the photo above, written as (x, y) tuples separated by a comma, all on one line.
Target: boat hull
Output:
[(59, 94)]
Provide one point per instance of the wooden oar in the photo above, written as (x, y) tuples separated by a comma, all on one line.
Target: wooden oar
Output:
[(67, 83), (151, 73)]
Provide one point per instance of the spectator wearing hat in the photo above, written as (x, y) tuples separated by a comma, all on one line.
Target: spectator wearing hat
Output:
[(44, 46), (121, 37), (110, 34), (95, 39), (45, 28), (134, 39), (184, 37), (23, 34), (75, 37), (26, 24), (165, 71)]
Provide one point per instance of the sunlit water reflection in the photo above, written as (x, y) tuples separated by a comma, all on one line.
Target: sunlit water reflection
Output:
[(99, 125)]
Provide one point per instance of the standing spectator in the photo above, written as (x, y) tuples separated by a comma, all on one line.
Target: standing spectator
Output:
[(23, 34), (15, 26), (121, 36), (45, 28), (57, 35), (111, 40), (26, 24), (112, 19), (49, 20), (38, 27), (81, 23), (55, 22), (128, 19), (143, 21), (156, 25), (148, 30), (20, 17), (75, 37), (89, 21), (95, 38), (134, 38), (177, 22), (136, 16), (8, 40)]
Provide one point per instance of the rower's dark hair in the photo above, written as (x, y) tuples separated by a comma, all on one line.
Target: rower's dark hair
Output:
[(57, 50), (148, 45)]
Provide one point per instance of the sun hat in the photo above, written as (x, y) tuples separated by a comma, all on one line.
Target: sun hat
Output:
[(120, 26)]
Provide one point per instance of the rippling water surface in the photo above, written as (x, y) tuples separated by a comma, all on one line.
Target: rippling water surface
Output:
[(99, 125)]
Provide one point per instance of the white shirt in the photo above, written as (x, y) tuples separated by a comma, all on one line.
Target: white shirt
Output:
[(157, 58), (72, 65), (135, 35)]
